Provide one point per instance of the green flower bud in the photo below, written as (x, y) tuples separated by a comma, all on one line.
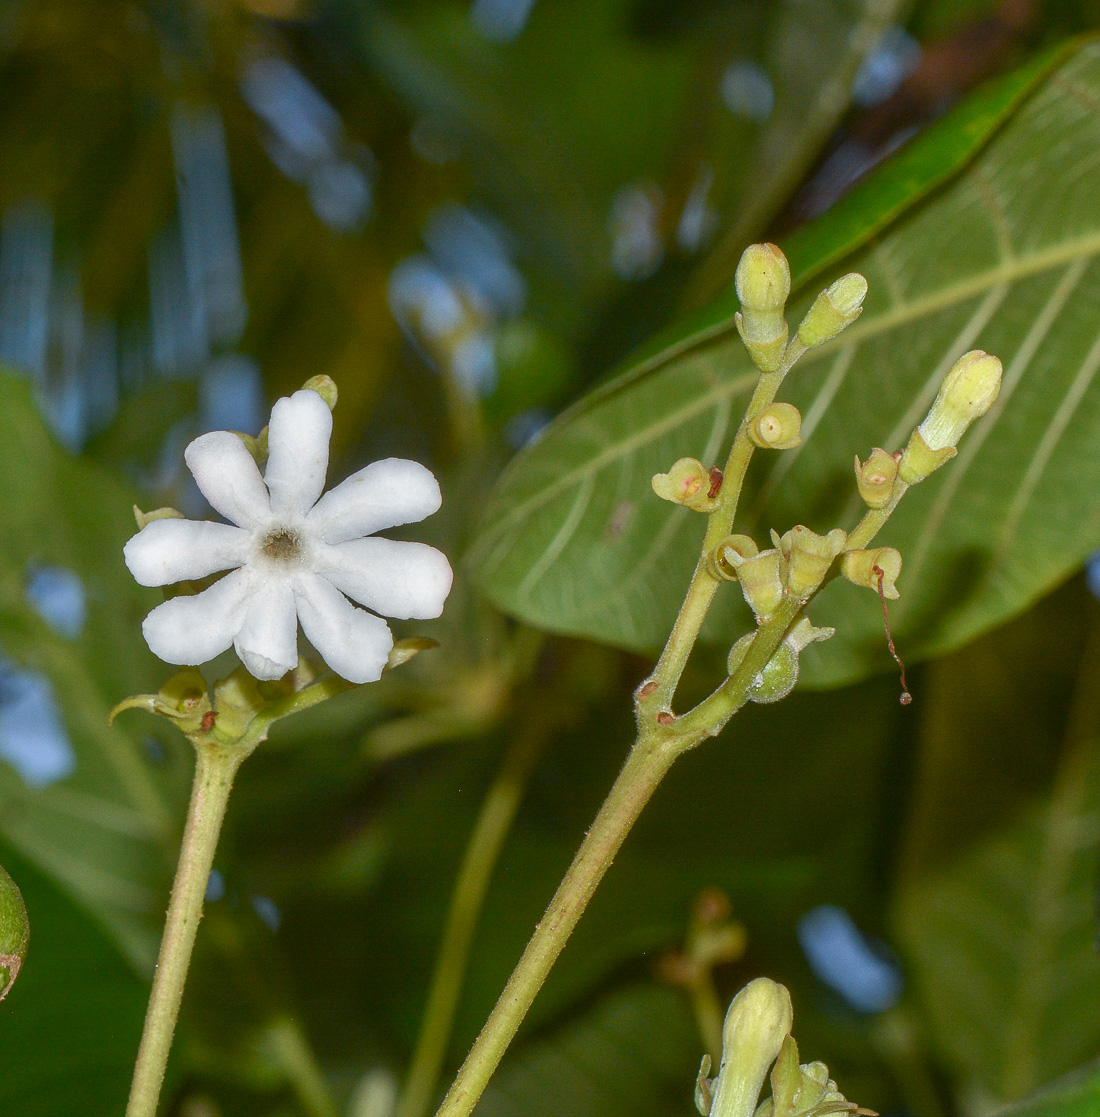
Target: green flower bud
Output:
[(809, 557), (967, 392), (325, 387), (15, 932), (763, 282), (687, 483), (777, 427), (183, 700), (763, 278), (778, 676), (761, 579), (835, 308), (861, 568), (758, 1021), (729, 554), (875, 478)]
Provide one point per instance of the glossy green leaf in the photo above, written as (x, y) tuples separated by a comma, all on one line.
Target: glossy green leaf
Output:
[(1002, 259), (101, 831), (1076, 1095), (70, 1027)]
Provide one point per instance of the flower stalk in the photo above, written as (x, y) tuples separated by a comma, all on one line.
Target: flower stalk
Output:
[(778, 584)]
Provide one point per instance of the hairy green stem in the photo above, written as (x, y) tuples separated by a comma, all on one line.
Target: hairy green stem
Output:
[(215, 768), (644, 769), (478, 864)]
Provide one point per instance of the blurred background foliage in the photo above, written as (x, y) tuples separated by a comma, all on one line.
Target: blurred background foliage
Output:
[(467, 214)]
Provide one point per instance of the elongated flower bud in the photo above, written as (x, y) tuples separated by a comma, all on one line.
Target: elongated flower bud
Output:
[(835, 308), (763, 282), (777, 427), (967, 392), (758, 1021)]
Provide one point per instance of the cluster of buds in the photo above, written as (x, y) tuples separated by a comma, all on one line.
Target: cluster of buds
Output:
[(763, 283), (756, 1034)]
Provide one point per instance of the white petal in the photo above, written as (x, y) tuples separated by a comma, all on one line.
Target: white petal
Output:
[(354, 643), (268, 639), (192, 630), (167, 551), (393, 578), (385, 494), (297, 441), (229, 478)]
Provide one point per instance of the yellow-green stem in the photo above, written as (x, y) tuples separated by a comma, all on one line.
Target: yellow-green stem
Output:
[(644, 769), (215, 767), (482, 853)]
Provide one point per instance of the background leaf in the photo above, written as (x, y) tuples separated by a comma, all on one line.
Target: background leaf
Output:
[(1077, 1095), (70, 1026), (102, 829), (1003, 259), (1000, 931)]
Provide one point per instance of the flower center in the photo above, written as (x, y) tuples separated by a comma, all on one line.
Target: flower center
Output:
[(282, 545)]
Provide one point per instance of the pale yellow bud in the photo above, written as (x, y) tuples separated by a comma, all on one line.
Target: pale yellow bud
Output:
[(863, 569), (875, 478), (761, 579), (758, 1021), (763, 278), (837, 307), (967, 392), (688, 483), (763, 282), (809, 557), (777, 427)]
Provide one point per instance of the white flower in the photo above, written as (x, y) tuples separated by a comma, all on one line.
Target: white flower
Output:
[(293, 556)]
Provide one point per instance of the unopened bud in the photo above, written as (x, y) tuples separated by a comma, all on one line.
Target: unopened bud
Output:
[(761, 579), (763, 278), (836, 307), (758, 1021), (687, 483), (763, 282), (325, 387), (864, 568), (15, 932), (777, 427), (875, 478), (967, 392), (730, 554), (809, 557)]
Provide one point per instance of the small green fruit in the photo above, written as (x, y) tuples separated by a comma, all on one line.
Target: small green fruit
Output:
[(15, 931)]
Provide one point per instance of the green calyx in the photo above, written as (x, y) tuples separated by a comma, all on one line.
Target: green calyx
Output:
[(15, 932)]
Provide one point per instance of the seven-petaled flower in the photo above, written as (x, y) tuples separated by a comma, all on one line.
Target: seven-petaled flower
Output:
[(292, 556)]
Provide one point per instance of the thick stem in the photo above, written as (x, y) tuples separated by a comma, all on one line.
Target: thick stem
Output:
[(480, 860), (644, 769), (215, 768)]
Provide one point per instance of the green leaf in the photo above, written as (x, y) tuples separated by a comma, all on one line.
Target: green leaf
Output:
[(1001, 259), (1076, 1095), (1001, 938), (102, 831), (69, 1029)]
